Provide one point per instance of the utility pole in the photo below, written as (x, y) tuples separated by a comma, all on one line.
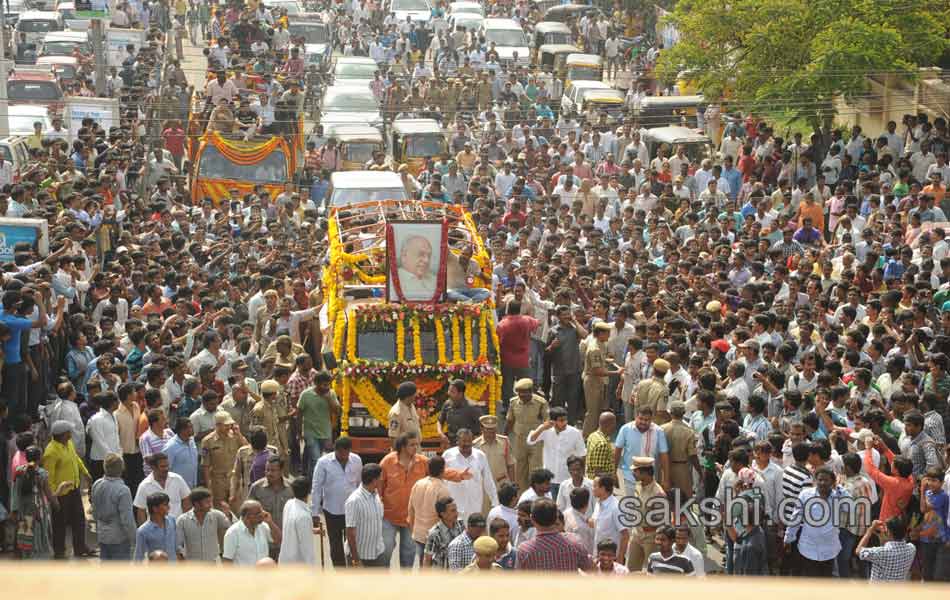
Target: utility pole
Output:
[(98, 50), (5, 67)]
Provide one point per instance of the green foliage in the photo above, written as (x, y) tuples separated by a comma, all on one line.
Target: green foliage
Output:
[(796, 56)]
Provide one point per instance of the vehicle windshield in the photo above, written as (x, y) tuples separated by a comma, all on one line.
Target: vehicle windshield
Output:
[(355, 71), (33, 91), (506, 37), (64, 48), (37, 26), (312, 34), (410, 5), (23, 124), (466, 8), (557, 37), (660, 116), (425, 145), (342, 197), (584, 74), (468, 22), (214, 165), (361, 152), (355, 101), (292, 7)]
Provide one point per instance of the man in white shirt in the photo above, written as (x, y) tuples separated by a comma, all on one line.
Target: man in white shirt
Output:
[(103, 431), (608, 524), (469, 494), (296, 544), (247, 541), (682, 547), (561, 442), (161, 479)]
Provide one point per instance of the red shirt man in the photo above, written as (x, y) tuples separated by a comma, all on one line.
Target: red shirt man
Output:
[(514, 337)]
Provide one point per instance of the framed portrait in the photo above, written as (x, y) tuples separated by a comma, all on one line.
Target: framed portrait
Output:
[(416, 253)]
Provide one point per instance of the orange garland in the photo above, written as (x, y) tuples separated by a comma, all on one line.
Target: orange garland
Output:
[(250, 155)]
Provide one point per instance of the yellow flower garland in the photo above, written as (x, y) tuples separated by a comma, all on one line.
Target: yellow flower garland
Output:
[(351, 336), (378, 408), (494, 338), (483, 335), (338, 329), (475, 388), (416, 341), (456, 340), (345, 417), (400, 340), (469, 351), (440, 340)]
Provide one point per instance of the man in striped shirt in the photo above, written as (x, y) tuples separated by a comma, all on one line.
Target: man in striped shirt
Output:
[(154, 439), (363, 512)]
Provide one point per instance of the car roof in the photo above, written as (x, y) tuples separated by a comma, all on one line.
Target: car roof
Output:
[(39, 15), (67, 36), (417, 126), (356, 60), (366, 179), (672, 100), (502, 24), (27, 110), (57, 60), (22, 75), (591, 85), (584, 58), (352, 131), (347, 88), (676, 134), (568, 49), (546, 26), (465, 3)]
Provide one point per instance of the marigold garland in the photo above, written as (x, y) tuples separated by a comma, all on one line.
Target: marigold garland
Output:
[(440, 339), (416, 338), (475, 388), (456, 340), (344, 418), (367, 395), (469, 351), (338, 329), (400, 341), (351, 337), (483, 336), (494, 337)]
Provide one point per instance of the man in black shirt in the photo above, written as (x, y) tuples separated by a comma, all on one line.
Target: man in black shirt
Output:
[(458, 413)]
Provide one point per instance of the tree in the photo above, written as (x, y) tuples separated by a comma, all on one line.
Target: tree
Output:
[(796, 56)]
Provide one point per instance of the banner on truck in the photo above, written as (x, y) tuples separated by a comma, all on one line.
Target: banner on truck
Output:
[(118, 39), (13, 231)]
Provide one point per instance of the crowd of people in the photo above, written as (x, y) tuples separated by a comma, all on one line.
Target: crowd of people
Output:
[(770, 322)]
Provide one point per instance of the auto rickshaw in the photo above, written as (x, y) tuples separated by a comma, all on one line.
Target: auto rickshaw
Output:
[(584, 67), (551, 32), (415, 140), (357, 144), (552, 58)]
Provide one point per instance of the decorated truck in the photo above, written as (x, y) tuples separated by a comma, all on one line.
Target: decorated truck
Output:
[(383, 325)]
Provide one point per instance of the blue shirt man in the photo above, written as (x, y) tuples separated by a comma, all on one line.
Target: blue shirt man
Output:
[(183, 454), (151, 536), (640, 437), (733, 176)]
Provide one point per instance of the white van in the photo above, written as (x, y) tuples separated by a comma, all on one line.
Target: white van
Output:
[(16, 151), (509, 39), (352, 187), (33, 26)]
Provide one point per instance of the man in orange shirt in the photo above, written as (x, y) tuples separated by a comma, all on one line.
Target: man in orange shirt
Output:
[(935, 190), (402, 468), (811, 209), (157, 303)]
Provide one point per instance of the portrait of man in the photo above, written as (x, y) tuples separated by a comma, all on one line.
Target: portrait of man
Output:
[(416, 248)]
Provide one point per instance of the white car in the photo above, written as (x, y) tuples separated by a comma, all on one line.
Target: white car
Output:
[(593, 98), (351, 187), (317, 40), (468, 21), (22, 116), (419, 11), (473, 8), (509, 39), (350, 104), (293, 6), (354, 70)]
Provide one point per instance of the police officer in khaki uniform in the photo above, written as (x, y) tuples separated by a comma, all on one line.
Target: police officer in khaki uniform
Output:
[(681, 440), (596, 373), (653, 392), (271, 414), (497, 450), (642, 543), (403, 417), (218, 451), (526, 411)]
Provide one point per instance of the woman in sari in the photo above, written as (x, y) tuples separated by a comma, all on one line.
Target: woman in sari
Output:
[(30, 505)]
